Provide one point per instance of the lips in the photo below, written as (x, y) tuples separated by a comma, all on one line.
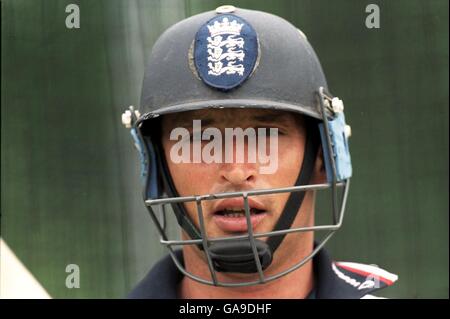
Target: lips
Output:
[(229, 214)]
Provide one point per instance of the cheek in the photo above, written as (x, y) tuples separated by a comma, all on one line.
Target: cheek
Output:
[(290, 156), (190, 178)]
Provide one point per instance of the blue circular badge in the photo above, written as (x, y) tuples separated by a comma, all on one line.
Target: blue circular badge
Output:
[(225, 51)]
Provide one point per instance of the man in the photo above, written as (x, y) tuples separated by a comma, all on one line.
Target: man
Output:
[(238, 134)]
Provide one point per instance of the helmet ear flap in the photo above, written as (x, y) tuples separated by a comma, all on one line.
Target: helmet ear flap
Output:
[(149, 171), (152, 188), (339, 149), (334, 134)]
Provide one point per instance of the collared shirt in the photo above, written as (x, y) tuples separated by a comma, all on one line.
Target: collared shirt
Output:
[(341, 280)]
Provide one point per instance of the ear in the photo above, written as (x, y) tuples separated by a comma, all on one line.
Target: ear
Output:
[(319, 174)]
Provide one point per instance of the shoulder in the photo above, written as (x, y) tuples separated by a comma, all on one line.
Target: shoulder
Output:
[(160, 283)]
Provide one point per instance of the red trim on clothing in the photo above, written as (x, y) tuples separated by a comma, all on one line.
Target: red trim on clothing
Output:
[(365, 274)]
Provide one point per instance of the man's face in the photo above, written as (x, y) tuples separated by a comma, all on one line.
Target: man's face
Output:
[(225, 217)]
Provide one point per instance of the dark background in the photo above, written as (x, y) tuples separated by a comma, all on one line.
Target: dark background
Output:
[(69, 174)]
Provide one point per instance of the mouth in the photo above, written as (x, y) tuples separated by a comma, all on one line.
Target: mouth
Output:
[(229, 215)]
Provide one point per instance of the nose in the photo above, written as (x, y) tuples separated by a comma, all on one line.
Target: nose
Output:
[(240, 168), (238, 174)]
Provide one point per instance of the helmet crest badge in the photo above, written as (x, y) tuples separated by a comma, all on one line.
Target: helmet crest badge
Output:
[(225, 51)]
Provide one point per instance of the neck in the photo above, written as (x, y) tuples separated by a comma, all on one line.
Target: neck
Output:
[(281, 288)]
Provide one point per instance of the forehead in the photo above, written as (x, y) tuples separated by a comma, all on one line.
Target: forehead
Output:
[(232, 117)]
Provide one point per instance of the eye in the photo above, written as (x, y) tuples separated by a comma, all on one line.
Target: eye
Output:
[(266, 130)]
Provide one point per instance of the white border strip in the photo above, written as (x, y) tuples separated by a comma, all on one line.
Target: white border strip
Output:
[(16, 281)]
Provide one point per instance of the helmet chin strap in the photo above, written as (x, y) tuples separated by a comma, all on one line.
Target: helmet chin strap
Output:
[(237, 256)]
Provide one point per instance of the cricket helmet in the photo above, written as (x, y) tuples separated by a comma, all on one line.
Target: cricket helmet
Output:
[(238, 58)]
